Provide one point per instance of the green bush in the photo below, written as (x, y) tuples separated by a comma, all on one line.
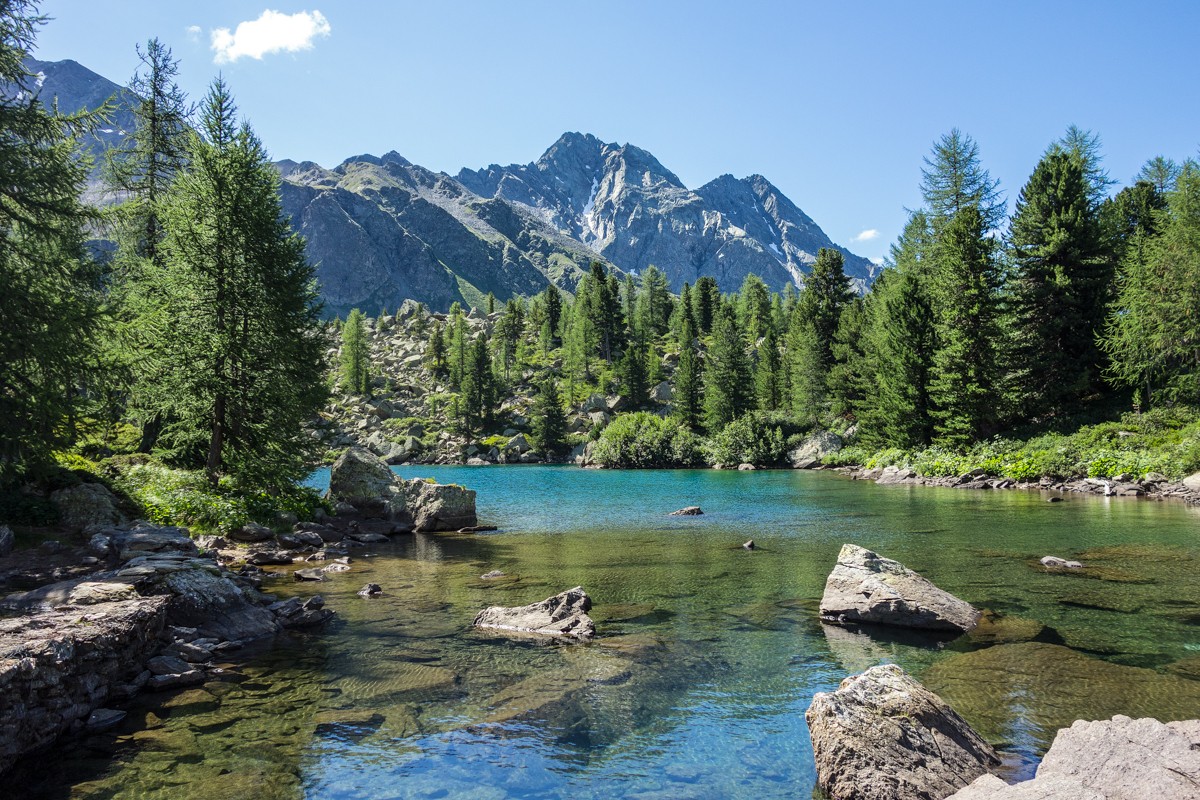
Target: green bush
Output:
[(749, 439), (644, 441)]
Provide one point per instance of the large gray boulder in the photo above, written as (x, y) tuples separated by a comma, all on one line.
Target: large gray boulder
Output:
[(84, 505), (7, 540), (359, 475), (564, 616), (866, 587), (1117, 759), (884, 736), (810, 452), (440, 507)]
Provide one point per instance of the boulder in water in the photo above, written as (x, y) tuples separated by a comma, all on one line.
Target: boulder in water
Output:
[(884, 736), (690, 511), (1117, 759), (564, 615), (866, 587)]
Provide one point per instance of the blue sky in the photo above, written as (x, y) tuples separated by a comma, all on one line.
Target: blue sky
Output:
[(836, 103)]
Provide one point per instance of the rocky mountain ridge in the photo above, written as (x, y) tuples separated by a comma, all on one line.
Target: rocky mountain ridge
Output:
[(381, 229)]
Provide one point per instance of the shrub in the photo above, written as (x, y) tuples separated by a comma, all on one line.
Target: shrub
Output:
[(749, 439), (644, 441)]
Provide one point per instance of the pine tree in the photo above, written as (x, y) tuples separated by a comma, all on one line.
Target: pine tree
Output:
[(479, 386), (826, 292), (768, 386), (437, 349), (549, 432), (1058, 286), (355, 355), (849, 379), (653, 304), (49, 311), (553, 310), (1152, 337), (754, 307), (964, 387), (806, 369), (1085, 146), (632, 370), (706, 298), (457, 344), (728, 387), (689, 379), (243, 355), (1160, 172)]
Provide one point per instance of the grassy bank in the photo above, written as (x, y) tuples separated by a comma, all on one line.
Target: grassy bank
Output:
[(1164, 441)]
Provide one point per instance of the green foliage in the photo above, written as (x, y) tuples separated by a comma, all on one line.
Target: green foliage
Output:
[(356, 355), (549, 433), (242, 354), (728, 389), (50, 310), (689, 380), (750, 439), (644, 441)]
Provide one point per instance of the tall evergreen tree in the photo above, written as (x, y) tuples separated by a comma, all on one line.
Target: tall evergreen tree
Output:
[(355, 355), (964, 387), (632, 370), (826, 292), (728, 387), (849, 378), (653, 304), (1153, 338), (243, 355), (768, 384), (1085, 146), (479, 386), (553, 308), (689, 379), (1058, 285), (953, 178), (1160, 172), (754, 307), (706, 299), (549, 421), (49, 308)]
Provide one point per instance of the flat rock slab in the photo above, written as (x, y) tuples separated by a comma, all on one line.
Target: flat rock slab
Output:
[(1117, 759), (866, 587), (884, 736), (564, 615)]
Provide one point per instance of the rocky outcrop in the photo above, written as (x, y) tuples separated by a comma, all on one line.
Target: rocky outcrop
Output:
[(1117, 759), (85, 505), (810, 452), (365, 482), (564, 615), (690, 511), (884, 736), (866, 587), (57, 667), (7, 540)]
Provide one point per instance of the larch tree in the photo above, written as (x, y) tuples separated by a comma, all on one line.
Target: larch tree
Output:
[(728, 386), (243, 358), (355, 357)]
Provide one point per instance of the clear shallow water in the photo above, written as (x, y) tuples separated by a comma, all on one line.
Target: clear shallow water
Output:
[(707, 655)]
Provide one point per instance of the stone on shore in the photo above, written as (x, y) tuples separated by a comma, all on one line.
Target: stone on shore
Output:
[(866, 587), (812, 451), (1117, 759), (84, 505), (7, 540), (363, 483), (564, 615), (884, 736)]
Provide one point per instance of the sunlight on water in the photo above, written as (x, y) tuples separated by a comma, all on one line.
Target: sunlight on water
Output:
[(707, 655)]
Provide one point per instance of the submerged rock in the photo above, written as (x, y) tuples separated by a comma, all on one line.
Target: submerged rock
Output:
[(564, 615), (370, 590), (1117, 759), (690, 511), (1057, 686), (884, 736), (1054, 562), (361, 482), (866, 587)]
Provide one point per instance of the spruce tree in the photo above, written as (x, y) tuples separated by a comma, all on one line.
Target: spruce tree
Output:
[(355, 355), (706, 299), (1058, 287), (553, 310), (549, 421), (849, 379), (689, 379), (768, 386), (243, 356), (437, 349), (632, 370), (49, 306), (728, 386), (754, 307), (653, 304), (479, 389), (1152, 337), (964, 387)]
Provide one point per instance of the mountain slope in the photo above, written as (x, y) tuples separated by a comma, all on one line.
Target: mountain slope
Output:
[(382, 230)]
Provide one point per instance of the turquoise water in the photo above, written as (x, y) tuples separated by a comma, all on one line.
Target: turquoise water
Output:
[(707, 655)]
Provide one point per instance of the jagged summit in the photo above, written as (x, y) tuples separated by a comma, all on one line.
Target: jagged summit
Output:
[(381, 229)]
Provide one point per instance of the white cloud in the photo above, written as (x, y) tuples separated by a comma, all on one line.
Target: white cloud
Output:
[(193, 33), (272, 32), (867, 235)]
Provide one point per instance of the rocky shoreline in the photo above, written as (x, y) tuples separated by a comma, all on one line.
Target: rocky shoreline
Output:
[(1151, 487)]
